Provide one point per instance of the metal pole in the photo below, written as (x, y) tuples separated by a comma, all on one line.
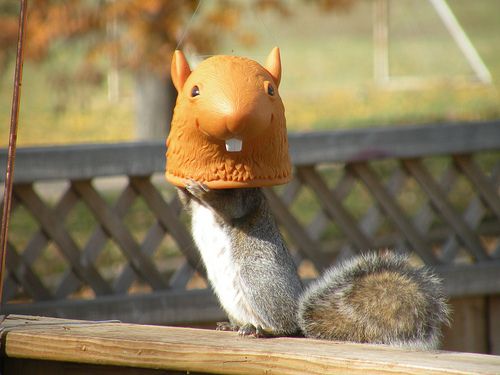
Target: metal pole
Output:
[(11, 156)]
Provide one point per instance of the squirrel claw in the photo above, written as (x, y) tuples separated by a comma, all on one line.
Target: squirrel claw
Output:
[(196, 188), (226, 326), (251, 330)]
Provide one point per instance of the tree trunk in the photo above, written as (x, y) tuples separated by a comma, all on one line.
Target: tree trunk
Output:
[(155, 99)]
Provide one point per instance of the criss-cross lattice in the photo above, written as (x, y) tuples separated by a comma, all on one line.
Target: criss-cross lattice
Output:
[(125, 249), (82, 270)]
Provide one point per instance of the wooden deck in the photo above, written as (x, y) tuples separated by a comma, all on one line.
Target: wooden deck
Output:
[(35, 345)]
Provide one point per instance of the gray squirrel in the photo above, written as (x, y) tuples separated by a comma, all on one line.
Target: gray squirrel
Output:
[(372, 298)]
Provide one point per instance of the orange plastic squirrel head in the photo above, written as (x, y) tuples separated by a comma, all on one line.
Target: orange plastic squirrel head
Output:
[(228, 129)]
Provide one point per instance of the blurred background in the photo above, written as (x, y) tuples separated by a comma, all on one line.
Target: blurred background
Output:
[(98, 70)]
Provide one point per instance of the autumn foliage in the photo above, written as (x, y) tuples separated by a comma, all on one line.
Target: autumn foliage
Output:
[(134, 32)]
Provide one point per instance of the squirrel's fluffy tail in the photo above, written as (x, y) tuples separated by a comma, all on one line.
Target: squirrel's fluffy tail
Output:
[(376, 299)]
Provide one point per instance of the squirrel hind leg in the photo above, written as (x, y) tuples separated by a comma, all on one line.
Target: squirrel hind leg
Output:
[(376, 299)]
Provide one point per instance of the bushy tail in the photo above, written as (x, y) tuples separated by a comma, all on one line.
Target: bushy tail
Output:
[(375, 298)]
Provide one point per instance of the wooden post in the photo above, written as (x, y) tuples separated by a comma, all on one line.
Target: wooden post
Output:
[(381, 41), (463, 42), (468, 330), (494, 324)]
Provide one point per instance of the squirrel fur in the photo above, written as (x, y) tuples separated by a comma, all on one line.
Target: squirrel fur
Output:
[(372, 298)]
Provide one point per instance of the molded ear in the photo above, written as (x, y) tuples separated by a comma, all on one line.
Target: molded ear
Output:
[(273, 65), (179, 70)]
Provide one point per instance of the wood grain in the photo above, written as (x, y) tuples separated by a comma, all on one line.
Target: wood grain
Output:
[(208, 351)]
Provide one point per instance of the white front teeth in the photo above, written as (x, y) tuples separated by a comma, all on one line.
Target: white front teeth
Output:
[(234, 145)]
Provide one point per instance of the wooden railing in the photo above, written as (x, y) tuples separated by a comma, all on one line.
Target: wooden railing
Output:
[(97, 233), (38, 345)]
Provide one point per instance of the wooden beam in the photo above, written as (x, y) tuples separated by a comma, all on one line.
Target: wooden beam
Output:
[(346, 222), (486, 187), (161, 307), (461, 280), (468, 331), (306, 245), (116, 229), (394, 211), (167, 217), (192, 350), (50, 223), (403, 142), (445, 209)]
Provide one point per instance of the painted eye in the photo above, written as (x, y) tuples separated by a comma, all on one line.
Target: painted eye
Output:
[(270, 90), (195, 91)]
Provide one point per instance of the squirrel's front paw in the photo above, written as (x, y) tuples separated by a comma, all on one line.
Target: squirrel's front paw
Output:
[(196, 188), (226, 326), (251, 330)]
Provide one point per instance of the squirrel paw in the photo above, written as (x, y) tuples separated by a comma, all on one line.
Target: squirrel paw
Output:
[(226, 326), (196, 188), (251, 330)]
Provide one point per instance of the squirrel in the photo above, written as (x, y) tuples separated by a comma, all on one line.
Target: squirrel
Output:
[(371, 298)]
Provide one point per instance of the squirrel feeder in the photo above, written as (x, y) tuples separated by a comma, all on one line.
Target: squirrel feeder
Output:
[(228, 129)]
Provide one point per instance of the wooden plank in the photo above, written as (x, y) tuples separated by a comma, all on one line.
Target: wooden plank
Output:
[(468, 329), (470, 279), (308, 247), (481, 183), (86, 161), (371, 221), (181, 277), (152, 240), (22, 271), (169, 219), (472, 216), (161, 307), (334, 207), (445, 209), (320, 221), (393, 142), (113, 225), (175, 306), (290, 191), (10, 286), (38, 242), (51, 223), (394, 212), (15, 366), (146, 158), (423, 219), (494, 324), (69, 283), (186, 349)]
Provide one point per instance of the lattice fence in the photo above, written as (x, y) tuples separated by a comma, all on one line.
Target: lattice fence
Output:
[(97, 233)]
